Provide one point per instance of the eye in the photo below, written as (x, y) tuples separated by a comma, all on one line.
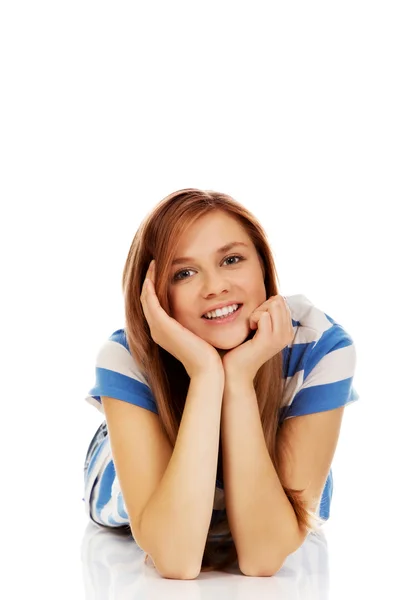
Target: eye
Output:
[(235, 256), (177, 275)]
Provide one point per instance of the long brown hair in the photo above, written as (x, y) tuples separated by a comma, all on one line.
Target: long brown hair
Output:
[(157, 237)]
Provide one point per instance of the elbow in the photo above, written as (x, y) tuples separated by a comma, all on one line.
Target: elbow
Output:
[(179, 576), (167, 570), (252, 566), (179, 573), (182, 572), (255, 571), (265, 569)]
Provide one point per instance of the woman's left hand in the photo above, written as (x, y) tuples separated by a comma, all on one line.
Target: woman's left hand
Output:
[(273, 322)]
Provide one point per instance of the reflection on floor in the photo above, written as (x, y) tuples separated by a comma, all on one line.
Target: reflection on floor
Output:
[(113, 568)]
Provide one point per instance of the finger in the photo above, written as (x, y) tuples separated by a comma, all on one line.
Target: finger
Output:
[(255, 318), (156, 316), (259, 310), (149, 276), (148, 297), (290, 322), (145, 301), (152, 267), (284, 303), (266, 307), (282, 327), (264, 324), (279, 322), (287, 308), (279, 316), (266, 317)]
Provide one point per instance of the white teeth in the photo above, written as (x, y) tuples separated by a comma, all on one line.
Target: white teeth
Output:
[(220, 312)]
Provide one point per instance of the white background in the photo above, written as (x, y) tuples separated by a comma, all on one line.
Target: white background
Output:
[(107, 107)]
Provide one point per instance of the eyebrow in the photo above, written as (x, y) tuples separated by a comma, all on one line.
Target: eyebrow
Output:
[(226, 248)]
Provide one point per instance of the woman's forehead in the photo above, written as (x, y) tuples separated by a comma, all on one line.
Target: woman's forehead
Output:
[(214, 231)]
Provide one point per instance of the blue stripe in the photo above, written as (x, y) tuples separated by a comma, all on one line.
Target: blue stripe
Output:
[(122, 387), (114, 523), (324, 510), (319, 398), (121, 508), (94, 458), (304, 356), (106, 482), (296, 357), (119, 336)]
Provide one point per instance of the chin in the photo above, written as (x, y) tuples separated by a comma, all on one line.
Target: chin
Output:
[(242, 340), (229, 345)]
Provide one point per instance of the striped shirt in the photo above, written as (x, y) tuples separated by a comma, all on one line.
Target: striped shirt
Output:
[(318, 370)]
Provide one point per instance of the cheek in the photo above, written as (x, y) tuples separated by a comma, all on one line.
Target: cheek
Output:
[(172, 307), (179, 307), (257, 290), (263, 293)]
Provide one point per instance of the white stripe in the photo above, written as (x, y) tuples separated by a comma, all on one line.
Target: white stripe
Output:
[(102, 461), (111, 508), (115, 357), (95, 403), (303, 310), (335, 366), (291, 387)]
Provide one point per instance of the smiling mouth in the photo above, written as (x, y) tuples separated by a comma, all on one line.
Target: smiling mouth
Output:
[(224, 318)]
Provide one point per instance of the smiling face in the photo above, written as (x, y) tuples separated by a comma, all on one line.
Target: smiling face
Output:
[(209, 278)]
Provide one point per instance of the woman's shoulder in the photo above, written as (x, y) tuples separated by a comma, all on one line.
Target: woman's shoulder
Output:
[(114, 354), (118, 375), (312, 324), (306, 314), (320, 361)]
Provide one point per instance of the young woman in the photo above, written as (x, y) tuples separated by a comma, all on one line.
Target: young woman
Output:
[(222, 399)]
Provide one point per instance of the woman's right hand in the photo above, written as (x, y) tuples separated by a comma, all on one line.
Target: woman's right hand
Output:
[(196, 355)]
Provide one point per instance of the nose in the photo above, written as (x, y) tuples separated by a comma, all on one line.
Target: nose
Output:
[(214, 285)]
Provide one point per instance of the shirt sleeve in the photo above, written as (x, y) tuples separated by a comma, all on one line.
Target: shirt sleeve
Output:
[(328, 375), (117, 376)]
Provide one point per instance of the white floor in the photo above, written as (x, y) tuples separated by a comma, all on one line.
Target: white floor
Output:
[(331, 565), (83, 562), (114, 568)]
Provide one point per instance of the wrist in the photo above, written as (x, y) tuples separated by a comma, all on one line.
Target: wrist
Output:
[(214, 370), (238, 380)]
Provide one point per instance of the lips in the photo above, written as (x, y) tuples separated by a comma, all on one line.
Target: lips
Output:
[(221, 306), (237, 304), (227, 319)]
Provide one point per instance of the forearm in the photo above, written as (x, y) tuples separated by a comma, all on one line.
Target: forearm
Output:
[(176, 520), (262, 520)]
